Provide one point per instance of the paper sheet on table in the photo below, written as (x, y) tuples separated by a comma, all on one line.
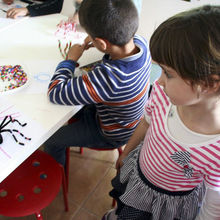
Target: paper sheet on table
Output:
[(9, 149), (41, 72), (15, 4), (7, 22)]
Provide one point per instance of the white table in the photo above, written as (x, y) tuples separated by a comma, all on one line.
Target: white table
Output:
[(32, 42)]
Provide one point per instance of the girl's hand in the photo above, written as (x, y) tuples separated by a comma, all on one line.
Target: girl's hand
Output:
[(17, 12), (75, 52), (119, 162)]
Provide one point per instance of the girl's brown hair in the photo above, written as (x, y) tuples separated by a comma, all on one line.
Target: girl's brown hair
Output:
[(189, 43)]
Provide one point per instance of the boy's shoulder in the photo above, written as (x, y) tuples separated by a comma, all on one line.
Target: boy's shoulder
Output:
[(139, 38)]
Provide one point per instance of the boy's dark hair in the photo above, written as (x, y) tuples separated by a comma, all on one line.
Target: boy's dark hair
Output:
[(189, 43), (113, 20)]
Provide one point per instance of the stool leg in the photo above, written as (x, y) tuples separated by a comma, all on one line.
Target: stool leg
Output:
[(65, 197), (81, 150), (67, 167), (113, 203), (120, 151), (38, 216)]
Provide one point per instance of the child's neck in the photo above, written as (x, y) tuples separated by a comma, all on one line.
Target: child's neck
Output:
[(119, 52), (202, 118)]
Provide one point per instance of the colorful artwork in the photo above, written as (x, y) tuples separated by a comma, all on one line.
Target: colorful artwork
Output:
[(3, 128), (89, 67), (12, 130), (67, 35), (12, 77)]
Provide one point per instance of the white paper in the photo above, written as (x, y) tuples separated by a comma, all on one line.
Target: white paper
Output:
[(40, 71), (9, 149), (15, 4), (8, 22)]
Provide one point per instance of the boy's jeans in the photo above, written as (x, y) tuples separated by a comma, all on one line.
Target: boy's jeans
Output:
[(85, 132)]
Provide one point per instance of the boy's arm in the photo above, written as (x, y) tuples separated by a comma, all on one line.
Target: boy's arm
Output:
[(62, 81), (210, 209), (65, 89)]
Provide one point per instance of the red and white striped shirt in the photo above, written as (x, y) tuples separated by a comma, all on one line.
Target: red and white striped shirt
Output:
[(171, 164)]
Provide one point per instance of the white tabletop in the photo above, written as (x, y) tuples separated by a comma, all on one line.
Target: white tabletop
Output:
[(32, 43)]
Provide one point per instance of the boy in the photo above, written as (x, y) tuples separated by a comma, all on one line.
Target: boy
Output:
[(114, 92)]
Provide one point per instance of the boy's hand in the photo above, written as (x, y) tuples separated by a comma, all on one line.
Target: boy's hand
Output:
[(75, 52), (16, 12), (88, 43), (8, 1)]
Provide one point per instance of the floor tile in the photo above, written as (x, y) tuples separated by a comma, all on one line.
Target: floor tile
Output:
[(56, 211), (85, 173), (109, 156), (85, 215), (99, 202)]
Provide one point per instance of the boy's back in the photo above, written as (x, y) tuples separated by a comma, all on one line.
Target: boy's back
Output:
[(115, 92), (118, 88)]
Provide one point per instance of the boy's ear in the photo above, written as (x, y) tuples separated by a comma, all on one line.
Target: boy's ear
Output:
[(102, 43)]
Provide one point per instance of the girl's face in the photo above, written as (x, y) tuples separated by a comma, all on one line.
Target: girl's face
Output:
[(178, 90)]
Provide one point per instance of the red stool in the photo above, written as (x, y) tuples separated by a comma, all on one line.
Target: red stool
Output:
[(32, 186)]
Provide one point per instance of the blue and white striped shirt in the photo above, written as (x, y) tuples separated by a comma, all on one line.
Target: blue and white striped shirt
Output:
[(118, 88)]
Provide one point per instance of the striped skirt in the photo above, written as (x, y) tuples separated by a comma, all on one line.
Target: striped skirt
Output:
[(138, 199)]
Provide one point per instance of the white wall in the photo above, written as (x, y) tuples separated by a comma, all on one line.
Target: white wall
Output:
[(156, 11), (68, 8), (153, 11)]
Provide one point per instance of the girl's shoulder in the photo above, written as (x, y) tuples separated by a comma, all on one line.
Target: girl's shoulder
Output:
[(158, 97)]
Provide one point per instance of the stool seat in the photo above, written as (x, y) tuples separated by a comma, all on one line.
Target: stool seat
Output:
[(32, 186)]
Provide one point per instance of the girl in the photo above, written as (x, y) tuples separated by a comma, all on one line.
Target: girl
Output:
[(177, 167)]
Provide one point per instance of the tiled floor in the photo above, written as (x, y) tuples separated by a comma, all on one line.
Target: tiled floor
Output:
[(89, 185)]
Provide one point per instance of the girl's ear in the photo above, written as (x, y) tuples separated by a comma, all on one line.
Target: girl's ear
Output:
[(215, 87), (102, 43)]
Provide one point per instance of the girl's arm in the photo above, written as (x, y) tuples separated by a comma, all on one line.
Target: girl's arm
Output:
[(210, 209), (134, 141)]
